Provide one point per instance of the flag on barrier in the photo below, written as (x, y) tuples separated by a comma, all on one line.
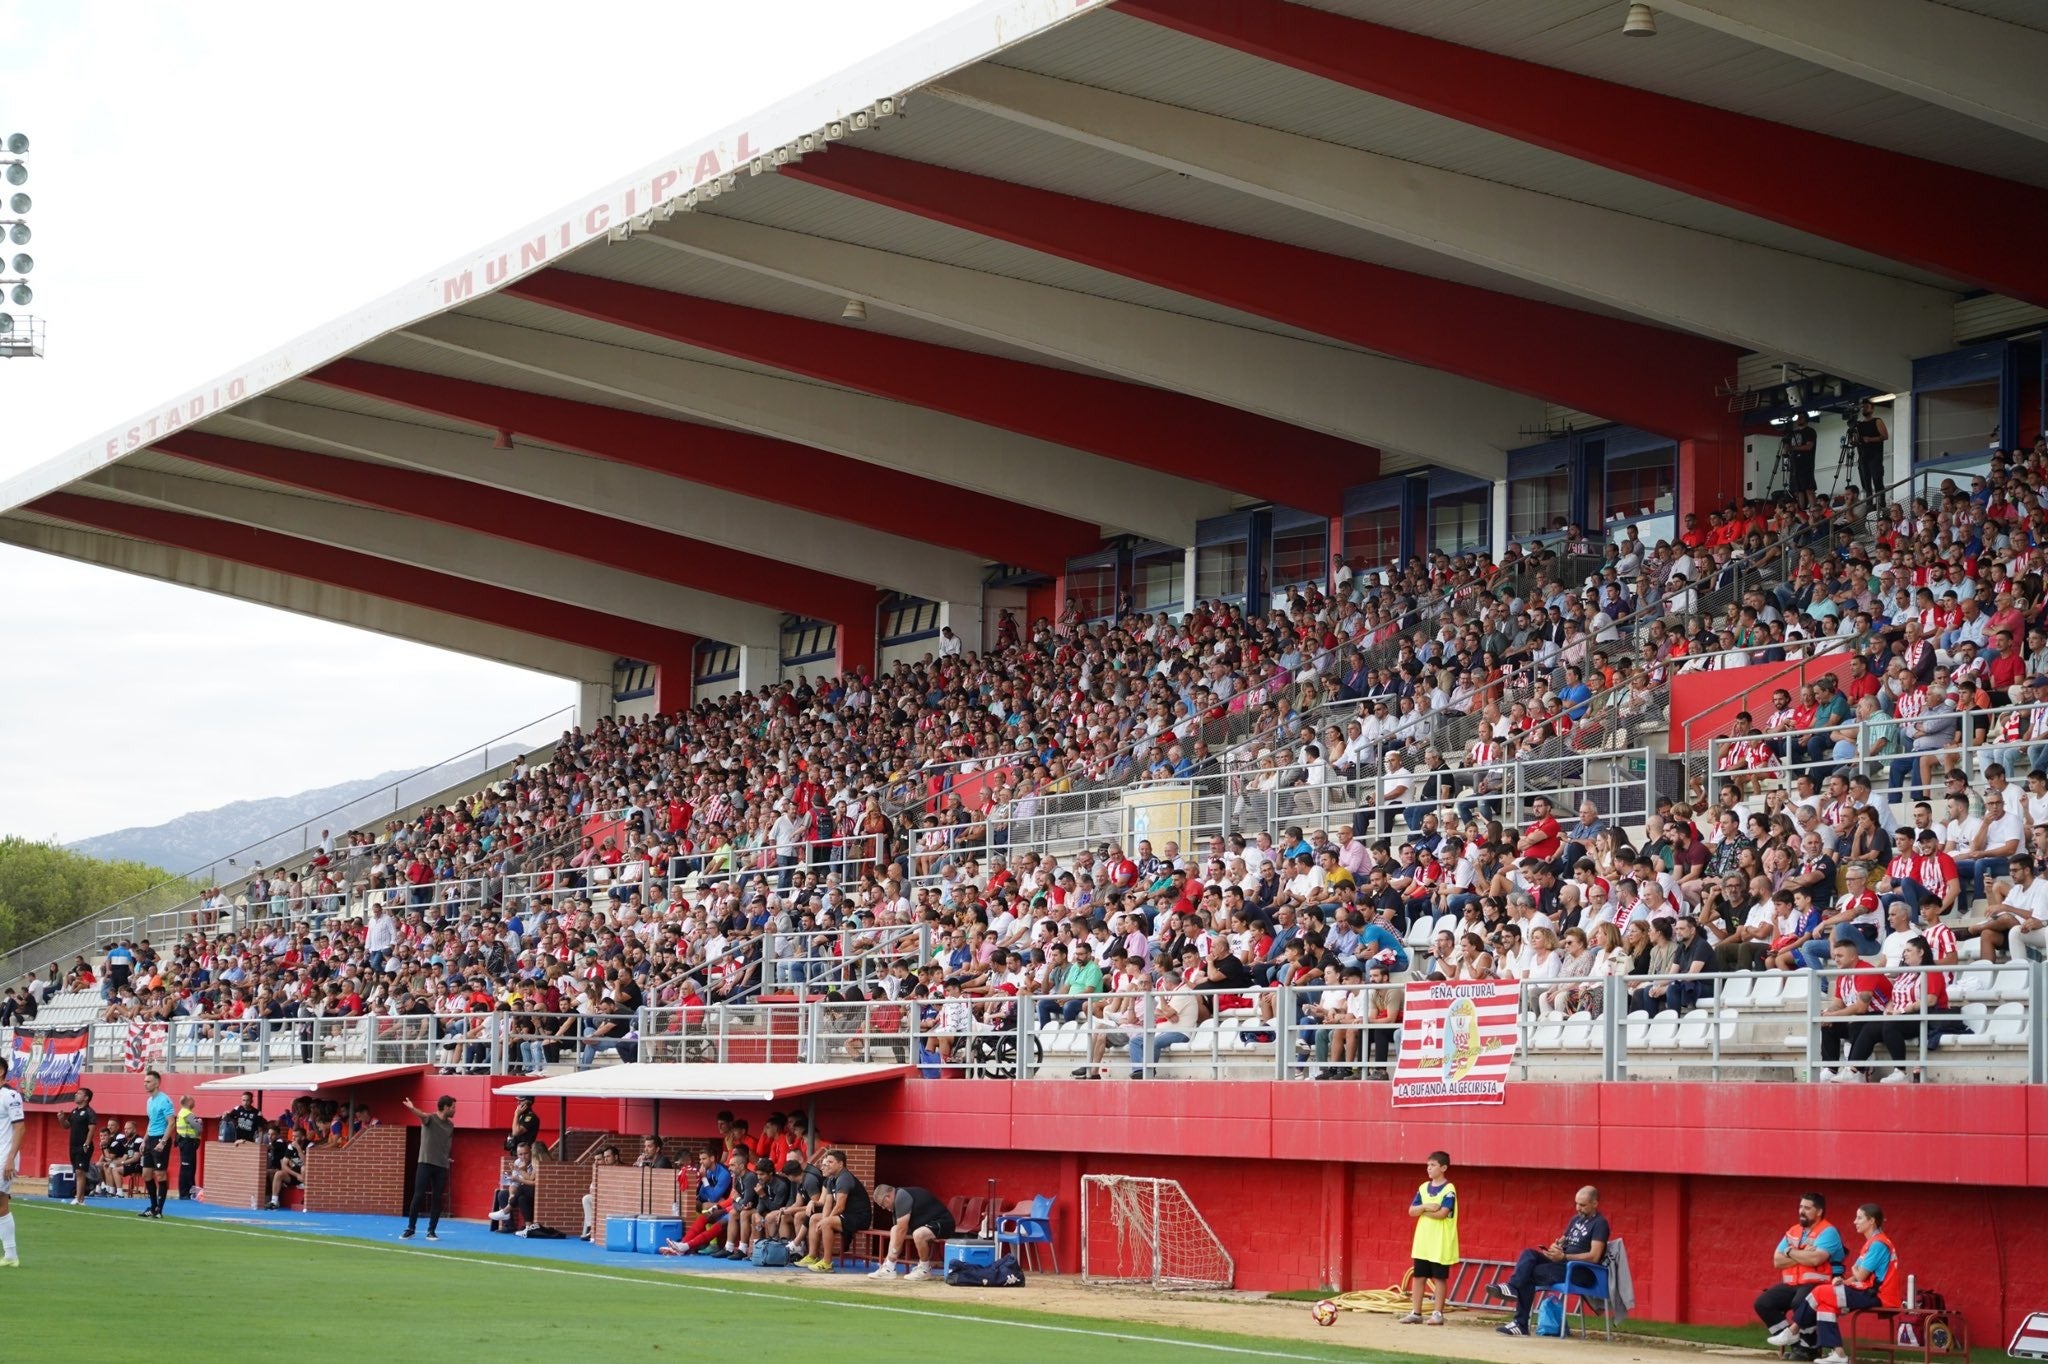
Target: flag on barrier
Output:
[(1457, 1042)]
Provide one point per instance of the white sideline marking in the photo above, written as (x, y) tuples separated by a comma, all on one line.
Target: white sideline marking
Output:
[(692, 1286)]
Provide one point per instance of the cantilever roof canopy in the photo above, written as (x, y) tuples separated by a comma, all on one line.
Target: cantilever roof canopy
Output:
[(1056, 261), (308, 1079), (706, 1081)]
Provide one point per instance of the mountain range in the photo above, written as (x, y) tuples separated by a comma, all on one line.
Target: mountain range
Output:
[(261, 832)]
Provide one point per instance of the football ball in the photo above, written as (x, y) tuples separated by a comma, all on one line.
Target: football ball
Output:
[(1325, 1312)]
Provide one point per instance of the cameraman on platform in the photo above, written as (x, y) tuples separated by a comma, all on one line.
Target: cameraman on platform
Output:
[(1801, 443)]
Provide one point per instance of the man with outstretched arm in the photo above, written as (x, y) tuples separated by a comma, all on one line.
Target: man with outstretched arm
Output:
[(430, 1176)]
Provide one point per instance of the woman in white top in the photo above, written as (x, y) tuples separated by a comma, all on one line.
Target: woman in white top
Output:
[(1573, 964), (1544, 961), (1610, 958)]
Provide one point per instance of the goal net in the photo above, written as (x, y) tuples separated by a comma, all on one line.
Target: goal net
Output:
[(1139, 1230)]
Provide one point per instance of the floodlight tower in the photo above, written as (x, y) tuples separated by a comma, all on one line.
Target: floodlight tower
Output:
[(20, 334)]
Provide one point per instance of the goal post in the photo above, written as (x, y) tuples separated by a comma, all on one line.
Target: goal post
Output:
[(1137, 1230)]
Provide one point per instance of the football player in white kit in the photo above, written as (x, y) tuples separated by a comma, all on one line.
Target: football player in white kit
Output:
[(13, 1131)]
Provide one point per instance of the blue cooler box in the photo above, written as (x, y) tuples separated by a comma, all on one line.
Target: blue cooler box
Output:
[(651, 1233), (969, 1253), (63, 1182), (618, 1233)]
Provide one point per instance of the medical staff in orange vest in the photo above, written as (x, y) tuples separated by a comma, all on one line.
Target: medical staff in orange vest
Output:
[(1808, 1255), (1875, 1280)]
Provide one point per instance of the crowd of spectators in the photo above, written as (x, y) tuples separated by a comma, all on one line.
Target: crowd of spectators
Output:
[(672, 861)]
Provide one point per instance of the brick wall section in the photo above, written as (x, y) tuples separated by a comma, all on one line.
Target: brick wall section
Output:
[(366, 1176), (575, 1145), (629, 1191), (234, 1175), (558, 1189)]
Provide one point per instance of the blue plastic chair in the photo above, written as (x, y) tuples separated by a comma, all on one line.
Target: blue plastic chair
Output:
[(1033, 1229), (1583, 1281)]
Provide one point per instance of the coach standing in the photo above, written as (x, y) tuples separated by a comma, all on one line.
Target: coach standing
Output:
[(430, 1176), (83, 1126)]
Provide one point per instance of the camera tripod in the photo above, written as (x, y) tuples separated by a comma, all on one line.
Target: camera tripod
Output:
[(1845, 470)]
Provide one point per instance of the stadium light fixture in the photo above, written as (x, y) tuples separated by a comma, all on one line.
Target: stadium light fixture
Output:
[(1640, 23), (20, 335)]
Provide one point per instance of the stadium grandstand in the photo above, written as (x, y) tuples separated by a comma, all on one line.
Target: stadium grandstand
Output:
[(1105, 543)]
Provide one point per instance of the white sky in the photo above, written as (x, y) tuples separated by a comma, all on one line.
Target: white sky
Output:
[(213, 179)]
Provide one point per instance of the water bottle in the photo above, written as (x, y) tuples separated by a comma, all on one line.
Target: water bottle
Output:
[(1912, 1293)]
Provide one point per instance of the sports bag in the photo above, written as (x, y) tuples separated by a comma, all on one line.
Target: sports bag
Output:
[(1004, 1273), (769, 1254)]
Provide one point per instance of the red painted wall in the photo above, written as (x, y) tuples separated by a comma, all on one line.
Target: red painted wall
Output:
[(1305, 1184), (1708, 702)]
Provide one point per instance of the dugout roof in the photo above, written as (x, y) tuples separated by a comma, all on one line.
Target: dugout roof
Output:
[(309, 1079), (711, 1082), (1058, 270)]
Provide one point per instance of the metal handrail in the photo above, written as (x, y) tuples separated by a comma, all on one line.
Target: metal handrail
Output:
[(1270, 1032)]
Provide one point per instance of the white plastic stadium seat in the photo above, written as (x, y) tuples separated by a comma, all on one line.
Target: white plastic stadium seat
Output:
[(2012, 985), (1740, 990), (1662, 1034), (1547, 1037), (1638, 1029), (1975, 982), (1768, 992), (1578, 1033), (2006, 1026)]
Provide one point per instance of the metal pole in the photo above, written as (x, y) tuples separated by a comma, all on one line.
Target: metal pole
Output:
[(1815, 988), (1613, 1019), (1025, 1026), (2037, 1009), (1158, 1267)]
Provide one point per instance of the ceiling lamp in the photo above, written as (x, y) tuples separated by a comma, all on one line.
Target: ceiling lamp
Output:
[(854, 311), (1641, 22)]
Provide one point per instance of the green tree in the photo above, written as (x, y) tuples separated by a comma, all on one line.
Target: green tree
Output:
[(44, 887)]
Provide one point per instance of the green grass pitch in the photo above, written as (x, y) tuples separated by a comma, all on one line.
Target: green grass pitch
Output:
[(104, 1285)]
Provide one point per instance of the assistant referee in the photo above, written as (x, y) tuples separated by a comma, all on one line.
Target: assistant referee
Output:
[(156, 1144)]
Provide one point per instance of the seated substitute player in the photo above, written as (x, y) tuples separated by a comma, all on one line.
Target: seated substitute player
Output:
[(843, 1209), (914, 1215)]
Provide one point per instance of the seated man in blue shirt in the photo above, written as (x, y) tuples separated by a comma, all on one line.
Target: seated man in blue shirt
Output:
[(1376, 940), (1584, 1241)]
